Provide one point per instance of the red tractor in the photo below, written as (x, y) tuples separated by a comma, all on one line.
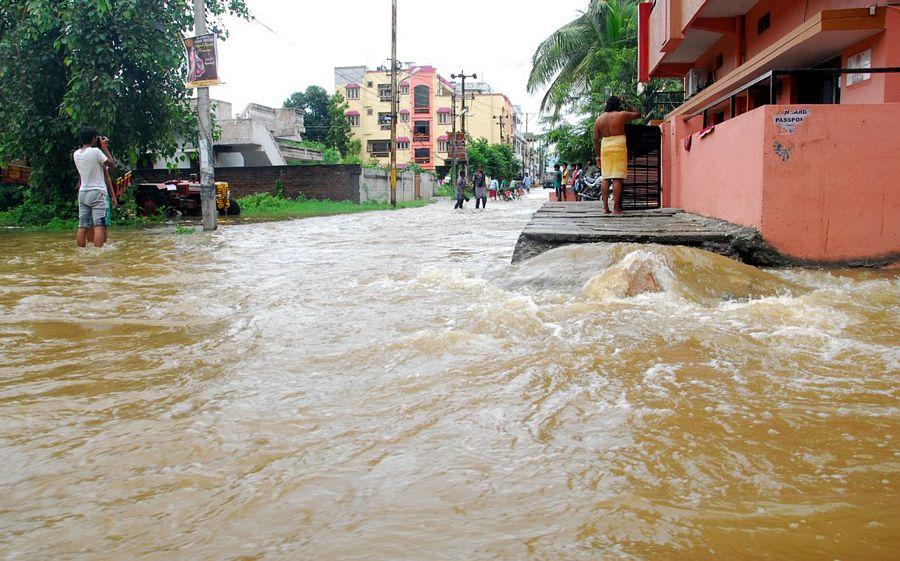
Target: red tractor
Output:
[(182, 196)]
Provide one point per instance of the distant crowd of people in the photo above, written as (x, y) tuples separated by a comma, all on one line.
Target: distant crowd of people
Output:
[(495, 189)]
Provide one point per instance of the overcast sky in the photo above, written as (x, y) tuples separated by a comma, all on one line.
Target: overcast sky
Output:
[(493, 38)]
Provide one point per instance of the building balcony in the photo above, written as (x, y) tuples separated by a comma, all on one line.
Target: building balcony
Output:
[(422, 110), (421, 138), (675, 34)]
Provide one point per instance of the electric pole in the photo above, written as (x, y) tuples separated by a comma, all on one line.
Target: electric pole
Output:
[(453, 155), (207, 174), (462, 112), (500, 118), (394, 103)]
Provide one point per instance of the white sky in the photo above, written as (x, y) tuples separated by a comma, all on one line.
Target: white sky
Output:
[(493, 38)]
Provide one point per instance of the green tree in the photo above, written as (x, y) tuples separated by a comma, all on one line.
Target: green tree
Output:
[(117, 65), (338, 136), (592, 57), (314, 104)]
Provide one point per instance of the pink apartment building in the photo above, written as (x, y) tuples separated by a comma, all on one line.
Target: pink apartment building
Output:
[(791, 122)]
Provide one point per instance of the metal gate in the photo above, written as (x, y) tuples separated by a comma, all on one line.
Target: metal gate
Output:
[(642, 188)]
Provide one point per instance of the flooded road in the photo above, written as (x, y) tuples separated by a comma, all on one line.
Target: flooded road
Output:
[(385, 386)]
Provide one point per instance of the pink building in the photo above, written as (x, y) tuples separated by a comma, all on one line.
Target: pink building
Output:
[(790, 123)]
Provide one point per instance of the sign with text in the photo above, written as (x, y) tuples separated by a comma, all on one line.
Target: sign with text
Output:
[(203, 67), (859, 60), (790, 118), (456, 147)]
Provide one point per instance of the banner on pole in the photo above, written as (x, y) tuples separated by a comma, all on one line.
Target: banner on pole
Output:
[(203, 66), (457, 146)]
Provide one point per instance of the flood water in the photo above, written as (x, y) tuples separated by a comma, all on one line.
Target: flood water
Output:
[(386, 386)]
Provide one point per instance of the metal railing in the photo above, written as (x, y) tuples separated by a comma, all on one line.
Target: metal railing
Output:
[(771, 78)]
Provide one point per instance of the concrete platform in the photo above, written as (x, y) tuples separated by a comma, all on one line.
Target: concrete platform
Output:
[(557, 224)]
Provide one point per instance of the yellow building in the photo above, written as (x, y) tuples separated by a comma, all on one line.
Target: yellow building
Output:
[(425, 114)]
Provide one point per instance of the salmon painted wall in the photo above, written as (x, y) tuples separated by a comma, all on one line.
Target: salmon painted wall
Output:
[(825, 192), (722, 174), (786, 16), (880, 88), (830, 189)]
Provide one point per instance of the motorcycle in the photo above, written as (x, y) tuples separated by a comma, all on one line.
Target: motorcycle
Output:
[(590, 188)]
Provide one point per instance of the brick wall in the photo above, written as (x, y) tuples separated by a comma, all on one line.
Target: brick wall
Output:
[(335, 182)]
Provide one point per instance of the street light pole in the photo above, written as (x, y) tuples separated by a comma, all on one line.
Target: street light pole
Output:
[(207, 173), (394, 103)]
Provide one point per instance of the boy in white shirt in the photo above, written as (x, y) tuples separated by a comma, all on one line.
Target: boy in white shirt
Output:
[(92, 203)]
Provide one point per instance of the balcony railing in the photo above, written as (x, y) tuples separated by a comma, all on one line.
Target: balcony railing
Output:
[(423, 160), (420, 110), (421, 138), (771, 79)]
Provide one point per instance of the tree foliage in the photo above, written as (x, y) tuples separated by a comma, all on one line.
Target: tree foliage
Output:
[(498, 160), (338, 135), (582, 64), (314, 104), (117, 65)]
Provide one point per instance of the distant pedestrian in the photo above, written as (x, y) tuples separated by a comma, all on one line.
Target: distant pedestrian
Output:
[(493, 187), (557, 181), (93, 201), (480, 182), (565, 181), (527, 183), (460, 191), (574, 179)]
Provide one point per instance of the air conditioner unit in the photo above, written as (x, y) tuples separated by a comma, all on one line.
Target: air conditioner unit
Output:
[(694, 82)]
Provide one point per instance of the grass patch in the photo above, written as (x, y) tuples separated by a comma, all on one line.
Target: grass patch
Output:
[(267, 206), (179, 229)]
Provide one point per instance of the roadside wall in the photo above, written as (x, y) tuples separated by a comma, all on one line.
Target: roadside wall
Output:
[(824, 189), (334, 182), (831, 191), (374, 185)]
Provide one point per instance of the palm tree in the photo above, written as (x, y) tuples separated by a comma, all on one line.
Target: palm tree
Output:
[(567, 60)]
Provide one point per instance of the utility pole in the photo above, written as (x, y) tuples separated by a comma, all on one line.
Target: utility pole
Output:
[(500, 118), (453, 156), (207, 174), (394, 103), (462, 75)]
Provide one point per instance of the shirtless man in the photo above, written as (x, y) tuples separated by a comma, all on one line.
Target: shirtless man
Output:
[(612, 153)]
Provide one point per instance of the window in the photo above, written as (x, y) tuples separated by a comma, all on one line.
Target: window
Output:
[(380, 148), (384, 121), (369, 84), (403, 145), (763, 23), (443, 118), (353, 120), (369, 111), (442, 145), (352, 93), (384, 92), (421, 99), (404, 117), (404, 89), (422, 130), (422, 155)]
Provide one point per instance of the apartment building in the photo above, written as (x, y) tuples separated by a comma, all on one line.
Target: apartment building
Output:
[(790, 121), (425, 115)]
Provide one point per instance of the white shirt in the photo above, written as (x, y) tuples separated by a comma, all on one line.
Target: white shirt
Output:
[(90, 168)]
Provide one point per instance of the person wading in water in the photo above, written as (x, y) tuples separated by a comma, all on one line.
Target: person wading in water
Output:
[(480, 182), (611, 151), (92, 190)]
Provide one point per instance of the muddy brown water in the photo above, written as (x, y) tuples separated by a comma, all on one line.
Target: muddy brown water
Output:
[(385, 386)]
